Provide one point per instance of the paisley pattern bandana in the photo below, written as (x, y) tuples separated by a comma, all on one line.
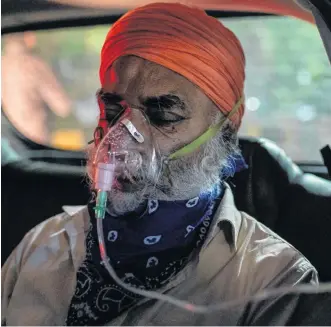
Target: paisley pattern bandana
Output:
[(146, 252)]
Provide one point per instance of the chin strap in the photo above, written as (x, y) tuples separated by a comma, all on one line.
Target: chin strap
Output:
[(206, 136)]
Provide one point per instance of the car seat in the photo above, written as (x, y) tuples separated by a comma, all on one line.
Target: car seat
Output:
[(294, 204)]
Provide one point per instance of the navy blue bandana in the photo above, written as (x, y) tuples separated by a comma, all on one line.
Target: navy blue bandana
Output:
[(146, 252), (164, 225)]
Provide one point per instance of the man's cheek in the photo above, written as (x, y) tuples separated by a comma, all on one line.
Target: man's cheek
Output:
[(167, 147), (169, 143)]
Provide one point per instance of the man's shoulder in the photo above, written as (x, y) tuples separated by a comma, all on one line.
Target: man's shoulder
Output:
[(262, 239), (60, 222), (257, 256), (269, 258), (55, 233), (42, 269)]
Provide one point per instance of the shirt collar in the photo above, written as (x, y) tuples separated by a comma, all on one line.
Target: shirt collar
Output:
[(226, 212)]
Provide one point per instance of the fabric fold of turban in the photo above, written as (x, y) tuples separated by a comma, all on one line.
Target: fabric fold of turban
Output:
[(187, 41)]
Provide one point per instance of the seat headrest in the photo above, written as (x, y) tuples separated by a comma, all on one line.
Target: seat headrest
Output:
[(294, 204)]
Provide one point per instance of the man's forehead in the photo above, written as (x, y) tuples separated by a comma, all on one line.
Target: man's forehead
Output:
[(131, 76)]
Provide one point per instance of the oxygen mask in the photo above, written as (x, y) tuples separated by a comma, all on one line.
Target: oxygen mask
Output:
[(126, 156)]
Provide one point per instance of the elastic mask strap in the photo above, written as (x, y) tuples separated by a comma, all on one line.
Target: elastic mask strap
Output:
[(206, 136)]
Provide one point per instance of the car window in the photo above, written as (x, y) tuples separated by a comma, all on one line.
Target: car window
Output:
[(49, 81)]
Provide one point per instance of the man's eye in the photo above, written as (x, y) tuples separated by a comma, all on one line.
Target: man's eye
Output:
[(165, 119), (113, 112), (164, 122)]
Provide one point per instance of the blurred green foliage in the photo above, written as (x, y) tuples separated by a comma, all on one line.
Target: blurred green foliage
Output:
[(288, 57)]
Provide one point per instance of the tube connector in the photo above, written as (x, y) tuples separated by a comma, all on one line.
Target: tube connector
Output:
[(104, 176)]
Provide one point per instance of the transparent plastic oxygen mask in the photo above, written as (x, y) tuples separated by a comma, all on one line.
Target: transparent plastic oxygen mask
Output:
[(126, 157)]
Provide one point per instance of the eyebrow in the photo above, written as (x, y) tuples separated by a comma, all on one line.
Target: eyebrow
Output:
[(166, 101)]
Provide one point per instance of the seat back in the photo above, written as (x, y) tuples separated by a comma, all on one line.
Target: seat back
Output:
[(294, 204), (33, 192)]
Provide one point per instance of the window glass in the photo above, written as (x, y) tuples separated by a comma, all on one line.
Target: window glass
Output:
[(288, 83), (50, 78)]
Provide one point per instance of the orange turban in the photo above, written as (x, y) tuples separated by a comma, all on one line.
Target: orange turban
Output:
[(187, 41)]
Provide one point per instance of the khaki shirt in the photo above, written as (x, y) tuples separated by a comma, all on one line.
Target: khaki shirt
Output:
[(239, 257)]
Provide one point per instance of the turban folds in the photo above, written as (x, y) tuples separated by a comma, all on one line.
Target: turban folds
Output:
[(187, 41)]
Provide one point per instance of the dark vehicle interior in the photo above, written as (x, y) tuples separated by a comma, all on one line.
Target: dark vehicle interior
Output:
[(291, 197)]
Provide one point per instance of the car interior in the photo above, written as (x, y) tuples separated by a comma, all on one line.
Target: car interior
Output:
[(291, 197)]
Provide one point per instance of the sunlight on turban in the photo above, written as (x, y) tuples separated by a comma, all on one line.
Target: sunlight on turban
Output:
[(187, 41)]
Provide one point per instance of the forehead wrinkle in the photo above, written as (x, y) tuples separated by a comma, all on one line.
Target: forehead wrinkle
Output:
[(123, 72), (140, 78), (157, 80), (136, 77)]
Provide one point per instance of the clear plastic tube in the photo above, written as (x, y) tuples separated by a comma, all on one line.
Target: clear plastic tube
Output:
[(188, 306)]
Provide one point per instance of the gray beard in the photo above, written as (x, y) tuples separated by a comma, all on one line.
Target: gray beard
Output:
[(181, 179)]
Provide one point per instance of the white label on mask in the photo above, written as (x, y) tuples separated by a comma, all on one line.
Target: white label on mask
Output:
[(133, 131)]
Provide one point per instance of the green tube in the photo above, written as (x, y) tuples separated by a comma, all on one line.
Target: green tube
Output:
[(206, 136), (101, 204)]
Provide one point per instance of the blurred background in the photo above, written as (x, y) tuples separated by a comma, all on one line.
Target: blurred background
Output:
[(288, 85)]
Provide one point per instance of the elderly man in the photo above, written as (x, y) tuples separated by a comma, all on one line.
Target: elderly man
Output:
[(172, 83)]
